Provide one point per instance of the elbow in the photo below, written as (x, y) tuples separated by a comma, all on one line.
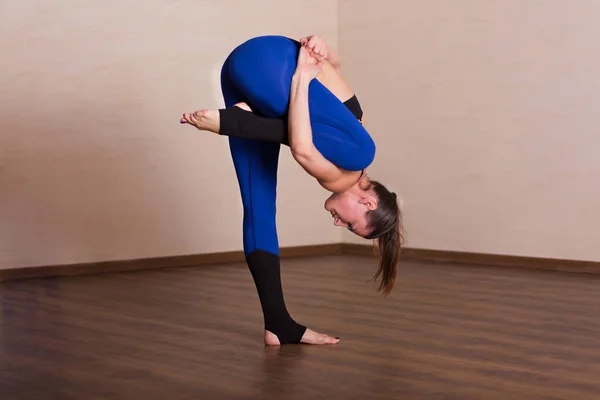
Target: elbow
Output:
[(301, 153)]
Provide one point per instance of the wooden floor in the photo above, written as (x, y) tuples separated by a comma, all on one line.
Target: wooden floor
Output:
[(447, 332)]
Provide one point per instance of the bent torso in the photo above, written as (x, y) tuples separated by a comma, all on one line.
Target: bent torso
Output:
[(332, 80)]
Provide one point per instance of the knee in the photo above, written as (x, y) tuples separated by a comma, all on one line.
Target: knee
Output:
[(362, 156), (369, 150), (365, 154)]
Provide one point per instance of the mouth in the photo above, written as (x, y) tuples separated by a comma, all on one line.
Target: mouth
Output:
[(335, 217)]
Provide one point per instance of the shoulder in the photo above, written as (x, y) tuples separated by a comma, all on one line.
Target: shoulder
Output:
[(343, 182)]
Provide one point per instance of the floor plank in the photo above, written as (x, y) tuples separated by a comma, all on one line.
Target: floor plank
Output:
[(448, 331)]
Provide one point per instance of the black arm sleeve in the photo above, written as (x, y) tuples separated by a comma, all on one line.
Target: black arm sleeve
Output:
[(237, 122)]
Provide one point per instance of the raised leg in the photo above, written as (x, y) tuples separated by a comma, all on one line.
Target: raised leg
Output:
[(235, 122), (262, 69)]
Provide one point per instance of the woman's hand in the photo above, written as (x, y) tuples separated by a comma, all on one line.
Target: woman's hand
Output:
[(320, 50), (316, 46), (308, 66)]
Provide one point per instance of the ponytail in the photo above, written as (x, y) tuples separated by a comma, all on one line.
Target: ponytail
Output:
[(386, 223), (389, 247)]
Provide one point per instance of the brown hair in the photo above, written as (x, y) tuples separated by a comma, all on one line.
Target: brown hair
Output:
[(386, 224)]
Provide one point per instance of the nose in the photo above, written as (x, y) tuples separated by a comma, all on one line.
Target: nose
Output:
[(337, 222)]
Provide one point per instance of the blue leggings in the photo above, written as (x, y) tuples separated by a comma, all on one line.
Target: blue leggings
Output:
[(259, 72)]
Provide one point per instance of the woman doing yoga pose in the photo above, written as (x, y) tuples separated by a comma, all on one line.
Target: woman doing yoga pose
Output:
[(280, 91)]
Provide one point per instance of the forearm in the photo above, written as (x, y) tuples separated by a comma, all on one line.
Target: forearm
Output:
[(334, 58), (299, 128)]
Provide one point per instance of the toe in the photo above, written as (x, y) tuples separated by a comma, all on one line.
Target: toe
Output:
[(330, 340)]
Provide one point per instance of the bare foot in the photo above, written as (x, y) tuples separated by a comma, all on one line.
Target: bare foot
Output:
[(205, 120), (309, 337)]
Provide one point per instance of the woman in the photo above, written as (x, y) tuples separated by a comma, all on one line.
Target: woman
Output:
[(322, 139)]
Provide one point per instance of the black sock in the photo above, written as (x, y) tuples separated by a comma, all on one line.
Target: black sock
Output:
[(265, 269), (237, 122)]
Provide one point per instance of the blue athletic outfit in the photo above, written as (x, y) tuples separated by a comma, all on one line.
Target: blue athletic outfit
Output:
[(259, 72)]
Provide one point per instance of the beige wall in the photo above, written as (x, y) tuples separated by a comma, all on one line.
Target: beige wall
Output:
[(94, 164), (486, 117)]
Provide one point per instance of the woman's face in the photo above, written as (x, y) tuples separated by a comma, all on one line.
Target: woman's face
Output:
[(349, 209)]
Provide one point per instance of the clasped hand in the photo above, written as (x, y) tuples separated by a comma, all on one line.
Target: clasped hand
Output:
[(312, 55)]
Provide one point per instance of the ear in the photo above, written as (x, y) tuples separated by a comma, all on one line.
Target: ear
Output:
[(370, 202)]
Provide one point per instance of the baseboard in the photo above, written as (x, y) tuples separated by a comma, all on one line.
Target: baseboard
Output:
[(358, 249), (423, 255), (156, 263), (444, 256)]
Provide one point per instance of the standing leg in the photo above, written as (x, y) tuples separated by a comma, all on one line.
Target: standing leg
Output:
[(256, 165)]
